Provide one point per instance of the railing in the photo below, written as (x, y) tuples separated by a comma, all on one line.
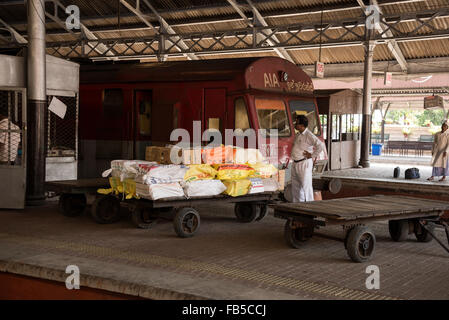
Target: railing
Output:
[(403, 147)]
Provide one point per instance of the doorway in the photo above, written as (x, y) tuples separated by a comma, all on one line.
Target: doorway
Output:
[(142, 119)]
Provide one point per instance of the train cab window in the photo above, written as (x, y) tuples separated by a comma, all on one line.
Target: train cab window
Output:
[(272, 115), (241, 119), (308, 109), (112, 103)]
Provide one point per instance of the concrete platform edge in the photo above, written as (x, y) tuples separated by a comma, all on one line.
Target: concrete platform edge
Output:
[(95, 282)]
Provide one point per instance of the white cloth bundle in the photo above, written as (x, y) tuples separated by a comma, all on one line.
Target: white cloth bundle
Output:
[(163, 174), (127, 169), (203, 188), (159, 191)]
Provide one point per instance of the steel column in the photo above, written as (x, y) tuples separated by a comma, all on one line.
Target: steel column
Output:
[(37, 102), (366, 123)]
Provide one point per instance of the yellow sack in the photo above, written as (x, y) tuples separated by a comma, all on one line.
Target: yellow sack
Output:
[(129, 189), (234, 171), (263, 170), (200, 172), (105, 191), (116, 184), (236, 188)]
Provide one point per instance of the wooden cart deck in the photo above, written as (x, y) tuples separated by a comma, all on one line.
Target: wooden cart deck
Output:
[(77, 186), (405, 215), (376, 207), (183, 201)]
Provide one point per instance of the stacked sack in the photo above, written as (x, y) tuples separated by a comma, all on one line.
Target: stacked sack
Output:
[(229, 170), (145, 179), (242, 171), (241, 179), (199, 181), (160, 181), (122, 177)]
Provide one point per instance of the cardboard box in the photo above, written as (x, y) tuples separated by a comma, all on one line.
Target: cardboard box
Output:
[(159, 154), (280, 177)]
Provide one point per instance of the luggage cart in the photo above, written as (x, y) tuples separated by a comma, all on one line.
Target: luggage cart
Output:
[(186, 221), (405, 215), (73, 193), (144, 212)]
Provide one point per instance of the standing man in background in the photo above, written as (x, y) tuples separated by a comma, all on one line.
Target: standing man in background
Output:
[(440, 148), (305, 147)]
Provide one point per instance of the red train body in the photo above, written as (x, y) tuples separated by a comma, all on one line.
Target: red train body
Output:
[(125, 107)]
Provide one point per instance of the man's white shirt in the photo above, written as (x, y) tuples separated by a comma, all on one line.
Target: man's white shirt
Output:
[(306, 141)]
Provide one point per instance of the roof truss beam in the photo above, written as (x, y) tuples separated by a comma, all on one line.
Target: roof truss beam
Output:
[(385, 32), (98, 47), (259, 20), (165, 28), (293, 37), (15, 35)]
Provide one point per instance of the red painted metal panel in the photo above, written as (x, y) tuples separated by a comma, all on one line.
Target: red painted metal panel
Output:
[(196, 90)]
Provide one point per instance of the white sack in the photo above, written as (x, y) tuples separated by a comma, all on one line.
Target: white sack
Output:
[(203, 188), (159, 191)]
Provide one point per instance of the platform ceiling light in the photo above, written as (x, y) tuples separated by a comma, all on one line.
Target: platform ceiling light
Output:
[(283, 76), (422, 79)]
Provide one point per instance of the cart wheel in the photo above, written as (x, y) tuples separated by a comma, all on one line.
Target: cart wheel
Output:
[(263, 208), (143, 218), (106, 210), (246, 212), (421, 234), (72, 205), (398, 229), (295, 237), (361, 243), (186, 222)]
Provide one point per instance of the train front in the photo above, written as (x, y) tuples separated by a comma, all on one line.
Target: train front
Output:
[(277, 92)]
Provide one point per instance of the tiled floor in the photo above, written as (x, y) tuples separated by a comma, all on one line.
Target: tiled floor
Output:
[(225, 260)]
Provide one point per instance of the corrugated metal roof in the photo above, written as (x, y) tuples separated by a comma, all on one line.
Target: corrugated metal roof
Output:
[(195, 16)]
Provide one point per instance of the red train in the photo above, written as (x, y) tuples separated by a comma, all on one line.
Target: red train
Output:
[(125, 107)]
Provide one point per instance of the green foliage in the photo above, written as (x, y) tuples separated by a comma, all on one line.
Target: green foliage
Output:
[(421, 118), (436, 117)]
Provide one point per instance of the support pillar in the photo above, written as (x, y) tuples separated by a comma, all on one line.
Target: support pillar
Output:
[(37, 102), (366, 121)]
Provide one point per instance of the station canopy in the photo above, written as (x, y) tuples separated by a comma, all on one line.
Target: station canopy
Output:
[(410, 36)]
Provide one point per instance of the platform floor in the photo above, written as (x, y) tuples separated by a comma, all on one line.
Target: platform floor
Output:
[(225, 260), (384, 171)]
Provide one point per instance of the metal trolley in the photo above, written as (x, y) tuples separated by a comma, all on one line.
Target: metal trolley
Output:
[(405, 215), (186, 222)]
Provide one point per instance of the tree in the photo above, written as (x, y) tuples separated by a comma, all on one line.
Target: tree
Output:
[(436, 117)]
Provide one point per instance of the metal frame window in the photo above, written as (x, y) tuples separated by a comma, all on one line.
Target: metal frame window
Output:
[(346, 127), (272, 114), (62, 134), (12, 127)]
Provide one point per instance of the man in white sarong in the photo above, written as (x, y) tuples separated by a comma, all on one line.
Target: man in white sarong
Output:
[(440, 149), (305, 147)]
